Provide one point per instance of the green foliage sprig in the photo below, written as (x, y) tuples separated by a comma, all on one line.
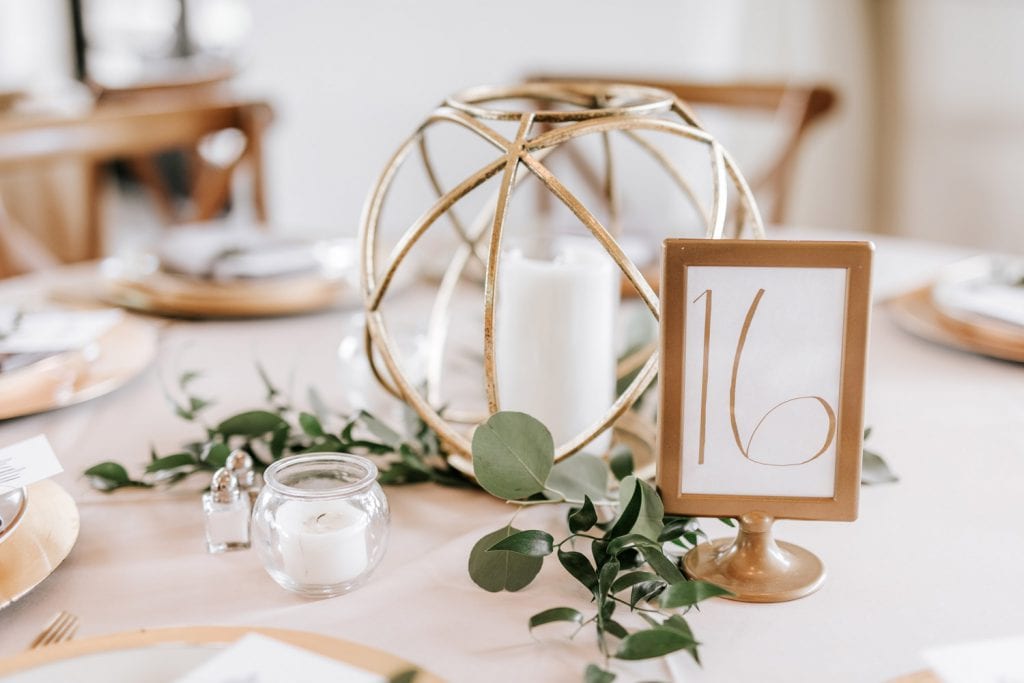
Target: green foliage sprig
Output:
[(413, 455), (627, 567)]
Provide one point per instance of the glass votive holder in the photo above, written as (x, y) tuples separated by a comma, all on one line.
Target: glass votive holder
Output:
[(320, 524)]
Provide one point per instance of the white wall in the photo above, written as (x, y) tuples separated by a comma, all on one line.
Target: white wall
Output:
[(351, 79), (953, 124)]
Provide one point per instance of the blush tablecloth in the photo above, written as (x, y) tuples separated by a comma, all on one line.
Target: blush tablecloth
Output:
[(934, 559)]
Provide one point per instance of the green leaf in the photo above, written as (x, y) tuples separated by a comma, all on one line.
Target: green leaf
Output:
[(512, 455), (630, 541), (627, 516), (272, 391), (584, 518), (728, 521), (554, 614), (655, 642), (664, 567), (867, 433), (595, 674), (689, 593), (645, 590), (196, 404), (874, 470), (615, 628), (379, 429), (190, 376), (216, 455), (675, 527), (110, 472), (650, 516), (278, 441), (317, 403), (579, 567), (310, 424), (621, 462), (110, 476), (170, 462), (400, 473), (501, 570), (532, 542), (577, 477), (631, 579), (606, 577), (407, 676), (252, 423)]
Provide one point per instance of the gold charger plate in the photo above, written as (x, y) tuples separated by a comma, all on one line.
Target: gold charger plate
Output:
[(77, 376), (370, 659), (917, 313), (44, 537), (163, 293)]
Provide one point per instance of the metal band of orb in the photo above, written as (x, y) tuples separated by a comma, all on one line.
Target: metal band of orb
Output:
[(606, 110)]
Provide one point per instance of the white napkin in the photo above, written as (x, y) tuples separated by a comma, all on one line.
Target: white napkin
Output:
[(259, 659), (233, 252), (52, 331), (987, 287), (987, 661)]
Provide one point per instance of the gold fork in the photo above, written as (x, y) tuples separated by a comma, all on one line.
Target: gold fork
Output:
[(61, 628)]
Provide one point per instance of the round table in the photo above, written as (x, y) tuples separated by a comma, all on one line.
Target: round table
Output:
[(902, 578)]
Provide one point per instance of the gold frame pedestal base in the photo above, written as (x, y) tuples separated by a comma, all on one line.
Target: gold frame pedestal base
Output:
[(754, 567)]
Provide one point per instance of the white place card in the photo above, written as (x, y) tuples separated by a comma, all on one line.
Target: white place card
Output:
[(987, 661), (27, 462), (52, 331), (259, 659)]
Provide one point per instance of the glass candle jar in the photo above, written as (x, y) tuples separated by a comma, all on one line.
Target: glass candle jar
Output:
[(320, 524)]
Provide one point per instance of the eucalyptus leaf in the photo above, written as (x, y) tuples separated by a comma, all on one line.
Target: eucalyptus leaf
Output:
[(595, 674), (110, 476), (654, 642), (615, 628), (252, 423), (689, 593), (513, 454), (496, 571), (187, 378), (576, 477), (650, 516), (874, 470), (555, 614), (531, 542)]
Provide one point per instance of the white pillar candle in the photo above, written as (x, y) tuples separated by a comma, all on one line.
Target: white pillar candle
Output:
[(322, 542), (555, 338)]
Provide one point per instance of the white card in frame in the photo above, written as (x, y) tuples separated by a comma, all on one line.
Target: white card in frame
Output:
[(762, 379)]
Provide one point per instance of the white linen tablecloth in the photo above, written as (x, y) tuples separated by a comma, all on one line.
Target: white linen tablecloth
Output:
[(934, 559)]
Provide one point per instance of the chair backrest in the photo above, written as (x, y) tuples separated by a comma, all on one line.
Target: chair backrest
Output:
[(136, 129), (798, 107)]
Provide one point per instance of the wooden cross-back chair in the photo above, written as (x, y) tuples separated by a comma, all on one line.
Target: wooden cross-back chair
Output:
[(136, 130), (798, 107)]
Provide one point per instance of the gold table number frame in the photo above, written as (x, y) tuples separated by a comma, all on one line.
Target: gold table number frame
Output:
[(753, 566)]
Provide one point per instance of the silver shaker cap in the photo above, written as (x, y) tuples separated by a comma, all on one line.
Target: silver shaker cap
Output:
[(239, 463), (224, 486)]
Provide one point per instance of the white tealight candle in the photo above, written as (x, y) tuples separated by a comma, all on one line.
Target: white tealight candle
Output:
[(322, 542), (555, 338)]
